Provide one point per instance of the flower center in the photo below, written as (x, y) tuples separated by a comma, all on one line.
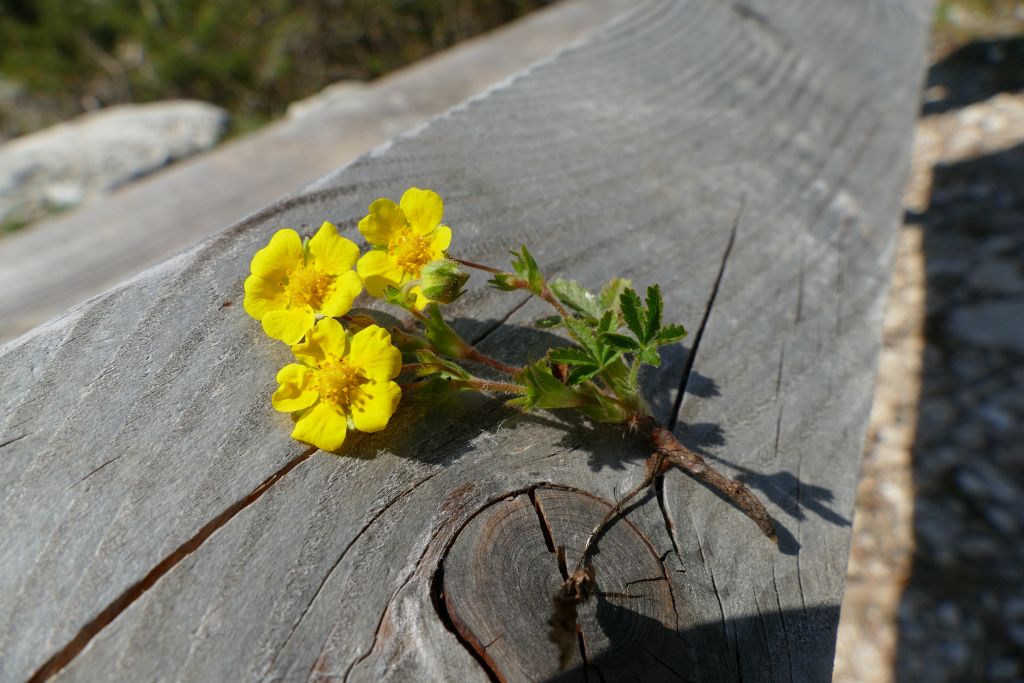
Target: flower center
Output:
[(308, 286), (339, 383), (410, 252)]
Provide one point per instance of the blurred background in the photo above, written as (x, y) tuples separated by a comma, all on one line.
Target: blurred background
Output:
[(936, 576)]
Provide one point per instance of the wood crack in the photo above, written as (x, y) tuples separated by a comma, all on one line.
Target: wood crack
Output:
[(108, 614), (14, 440), (684, 380)]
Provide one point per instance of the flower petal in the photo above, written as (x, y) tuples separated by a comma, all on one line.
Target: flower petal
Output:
[(421, 300), (384, 220), (378, 271), (441, 240), (288, 324), (297, 388), (423, 209), (344, 291), (282, 253), (376, 404), (322, 426), (327, 342), (334, 254), (372, 352), (263, 296)]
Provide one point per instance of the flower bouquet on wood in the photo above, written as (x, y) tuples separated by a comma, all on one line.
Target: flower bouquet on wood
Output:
[(347, 366)]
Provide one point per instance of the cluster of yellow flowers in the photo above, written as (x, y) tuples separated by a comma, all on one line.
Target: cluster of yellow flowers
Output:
[(342, 380)]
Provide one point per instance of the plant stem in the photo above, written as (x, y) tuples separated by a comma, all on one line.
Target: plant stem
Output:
[(497, 387), (669, 451), (476, 356), (477, 266), (408, 367)]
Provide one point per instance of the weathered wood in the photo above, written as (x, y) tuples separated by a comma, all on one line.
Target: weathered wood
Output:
[(160, 524)]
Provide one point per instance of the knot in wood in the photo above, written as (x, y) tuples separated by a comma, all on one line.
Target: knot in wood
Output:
[(503, 573)]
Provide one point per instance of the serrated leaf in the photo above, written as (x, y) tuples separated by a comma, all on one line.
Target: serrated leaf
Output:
[(571, 357), (654, 311), (575, 296), (606, 323), (581, 374), (670, 334), (620, 341), (582, 333), (608, 299), (649, 355), (548, 322), (632, 312)]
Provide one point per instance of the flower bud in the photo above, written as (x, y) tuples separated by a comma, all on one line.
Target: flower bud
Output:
[(442, 281)]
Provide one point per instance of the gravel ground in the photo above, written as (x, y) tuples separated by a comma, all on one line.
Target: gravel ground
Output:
[(936, 577)]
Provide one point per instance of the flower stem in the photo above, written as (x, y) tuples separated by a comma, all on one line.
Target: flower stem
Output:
[(477, 266), (497, 387), (482, 358)]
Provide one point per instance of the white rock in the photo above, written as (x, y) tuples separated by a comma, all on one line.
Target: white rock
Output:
[(67, 164)]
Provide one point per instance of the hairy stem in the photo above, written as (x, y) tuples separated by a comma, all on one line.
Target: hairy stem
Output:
[(497, 387), (477, 357), (477, 266)]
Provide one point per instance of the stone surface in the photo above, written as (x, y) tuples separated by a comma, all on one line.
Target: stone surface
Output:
[(63, 166)]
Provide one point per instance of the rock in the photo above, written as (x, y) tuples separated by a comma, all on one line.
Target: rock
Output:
[(67, 164), (999, 324), (996, 276)]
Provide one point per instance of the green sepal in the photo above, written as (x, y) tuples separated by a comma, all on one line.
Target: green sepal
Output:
[(443, 338), (506, 282), (543, 390), (406, 342), (442, 281), (433, 365), (400, 296), (527, 269)]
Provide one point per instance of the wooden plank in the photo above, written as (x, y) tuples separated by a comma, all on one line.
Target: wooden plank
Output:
[(163, 525)]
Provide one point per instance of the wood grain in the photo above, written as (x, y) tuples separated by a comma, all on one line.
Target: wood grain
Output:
[(159, 524)]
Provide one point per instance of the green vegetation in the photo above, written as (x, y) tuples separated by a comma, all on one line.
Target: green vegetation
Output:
[(250, 57)]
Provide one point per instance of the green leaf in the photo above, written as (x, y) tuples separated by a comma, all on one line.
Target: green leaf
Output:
[(633, 313), (650, 356), (550, 321), (571, 356), (581, 374), (582, 333), (654, 310), (670, 334), (608, 299), (575, 296), (607, 323), (620, 342)]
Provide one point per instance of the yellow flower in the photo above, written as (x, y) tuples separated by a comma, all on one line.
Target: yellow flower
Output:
[(290, 285), (341, 381), (405, 237)]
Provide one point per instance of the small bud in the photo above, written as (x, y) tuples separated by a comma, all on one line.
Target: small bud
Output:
[(442, 281)]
